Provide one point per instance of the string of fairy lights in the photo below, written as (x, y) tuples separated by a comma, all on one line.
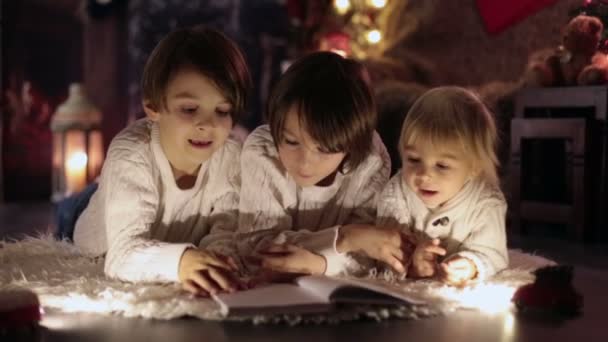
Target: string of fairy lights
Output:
[(359, 26), (367, 29)]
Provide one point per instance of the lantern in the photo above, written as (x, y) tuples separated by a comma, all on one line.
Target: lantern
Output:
[(77, 144)]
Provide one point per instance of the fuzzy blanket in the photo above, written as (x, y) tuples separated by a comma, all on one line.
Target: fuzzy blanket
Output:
[(66, 279)]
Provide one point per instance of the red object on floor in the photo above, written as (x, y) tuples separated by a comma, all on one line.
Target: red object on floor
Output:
[(18, 308), (551, 292), (499, 14)]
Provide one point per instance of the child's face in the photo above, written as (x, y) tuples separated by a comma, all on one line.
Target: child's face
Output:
[(195, 122), (302, 157), (436, 173)]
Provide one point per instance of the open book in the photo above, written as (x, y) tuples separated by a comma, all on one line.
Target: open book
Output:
[(312, 294)]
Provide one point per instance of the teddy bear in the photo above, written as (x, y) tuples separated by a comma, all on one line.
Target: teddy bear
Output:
[(576, 62)]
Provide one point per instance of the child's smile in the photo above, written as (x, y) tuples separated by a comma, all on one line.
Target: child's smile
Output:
[(428, 193), (202, 144)]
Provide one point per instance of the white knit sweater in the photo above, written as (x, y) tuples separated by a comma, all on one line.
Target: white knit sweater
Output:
[(472, 224), (274, 209), (144, 221)]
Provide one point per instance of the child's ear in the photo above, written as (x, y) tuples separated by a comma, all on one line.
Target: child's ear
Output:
[(151, 113)]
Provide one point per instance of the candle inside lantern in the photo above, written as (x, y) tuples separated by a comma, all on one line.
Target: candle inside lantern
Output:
[(76, 172), (77, 144)]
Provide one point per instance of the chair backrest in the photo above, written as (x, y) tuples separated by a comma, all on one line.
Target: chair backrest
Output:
[(595, 97)]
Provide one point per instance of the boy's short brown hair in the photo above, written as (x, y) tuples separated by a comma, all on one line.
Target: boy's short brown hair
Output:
[(215, 56), (334, 101)]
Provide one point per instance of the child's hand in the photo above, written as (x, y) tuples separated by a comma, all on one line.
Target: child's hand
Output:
[(291, 259), (458, 270), (424, 259), (386, 245), (203, 272)]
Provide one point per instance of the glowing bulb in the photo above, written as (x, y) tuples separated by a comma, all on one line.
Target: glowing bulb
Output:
[(77, 161), (489, 298), (374, 36), (342, 6), (378, 3)]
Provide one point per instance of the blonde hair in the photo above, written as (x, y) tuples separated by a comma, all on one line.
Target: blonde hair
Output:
[(446, 114)]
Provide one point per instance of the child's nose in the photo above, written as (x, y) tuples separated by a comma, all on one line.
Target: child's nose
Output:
[(308, 157), (205, 121), (423, 172)]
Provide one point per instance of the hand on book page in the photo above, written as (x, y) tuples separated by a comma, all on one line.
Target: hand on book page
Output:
[(424, 259), (314, 294), (286, 258)]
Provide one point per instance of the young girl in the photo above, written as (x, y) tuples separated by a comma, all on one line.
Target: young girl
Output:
[(171, 179), (446, 196), (310, 177)]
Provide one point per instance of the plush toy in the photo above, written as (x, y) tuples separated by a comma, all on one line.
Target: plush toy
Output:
[(551, 293), (576, 62)]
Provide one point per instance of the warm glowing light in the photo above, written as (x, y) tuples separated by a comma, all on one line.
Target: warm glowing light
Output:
[(489, 298), (508, 325), (339, 52), (76, 172), (75, 302), (374, 36), (55, 323), (77, 161), (342, 6), (378, 3), (78, 303)]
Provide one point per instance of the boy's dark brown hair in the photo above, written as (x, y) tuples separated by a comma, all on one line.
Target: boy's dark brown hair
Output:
[(334, 102), (213, 54)]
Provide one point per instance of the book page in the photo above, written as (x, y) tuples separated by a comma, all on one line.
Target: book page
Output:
[(272, 298), (328, 288)]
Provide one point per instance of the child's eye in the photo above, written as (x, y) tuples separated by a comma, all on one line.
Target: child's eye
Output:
[(413, 160), (291, 142), (323, 150), (222, 113), (188, 110), (442, 166)]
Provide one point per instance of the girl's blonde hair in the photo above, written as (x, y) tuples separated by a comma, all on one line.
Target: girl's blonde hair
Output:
[(453, 114)]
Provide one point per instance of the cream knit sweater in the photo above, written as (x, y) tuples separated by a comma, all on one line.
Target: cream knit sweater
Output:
[(472, 224), (144, 221), (274, 209)]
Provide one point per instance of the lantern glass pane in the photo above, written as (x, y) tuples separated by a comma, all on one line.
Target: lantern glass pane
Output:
[(75, 162), (57, 150), (58, 176), (95, 153)]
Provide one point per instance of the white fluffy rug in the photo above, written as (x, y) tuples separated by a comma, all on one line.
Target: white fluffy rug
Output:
[(68, 280)]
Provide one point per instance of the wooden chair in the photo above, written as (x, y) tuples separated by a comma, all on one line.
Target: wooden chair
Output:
[(585, 148)]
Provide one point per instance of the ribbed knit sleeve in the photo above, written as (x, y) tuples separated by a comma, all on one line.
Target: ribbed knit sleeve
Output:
[(274, 210), (131, 203)]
